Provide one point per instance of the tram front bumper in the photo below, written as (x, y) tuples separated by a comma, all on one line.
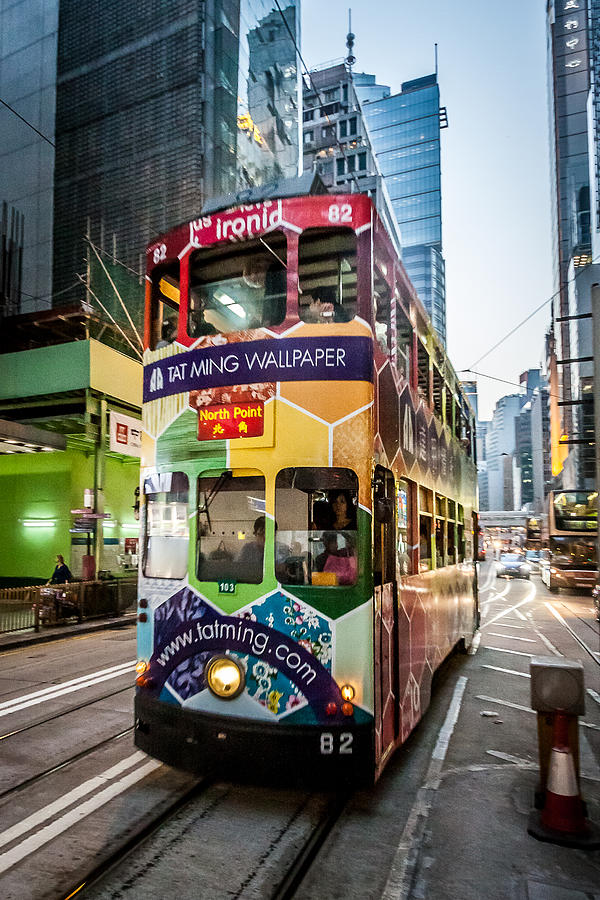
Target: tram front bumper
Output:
[(252, 749)]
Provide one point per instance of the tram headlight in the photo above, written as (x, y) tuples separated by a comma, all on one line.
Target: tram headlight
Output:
[(348, 692), (141, 667), (225, 677)]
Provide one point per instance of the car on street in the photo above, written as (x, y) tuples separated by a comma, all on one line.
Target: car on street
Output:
[(512, 565), (532, 557)]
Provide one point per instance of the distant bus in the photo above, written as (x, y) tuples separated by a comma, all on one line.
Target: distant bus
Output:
[(533, 533), (572, 539)]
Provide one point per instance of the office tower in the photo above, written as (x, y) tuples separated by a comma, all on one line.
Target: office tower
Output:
[(500, 452), (573, 51), (540, 442), (470, 389), (28, 85), (335, 139), (158, 107), (404, 130)]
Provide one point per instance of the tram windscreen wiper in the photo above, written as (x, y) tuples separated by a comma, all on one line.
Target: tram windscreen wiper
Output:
[(210, 496)]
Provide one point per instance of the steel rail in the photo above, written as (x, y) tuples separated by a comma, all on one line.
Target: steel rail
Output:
[(33, 779), (297, 871), (65, 712), (114, 859), (594, 654)]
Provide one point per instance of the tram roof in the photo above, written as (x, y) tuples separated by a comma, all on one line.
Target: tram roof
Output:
[(307, 184)]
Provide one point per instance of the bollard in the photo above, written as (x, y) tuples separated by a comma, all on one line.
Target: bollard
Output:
[(558, 696)]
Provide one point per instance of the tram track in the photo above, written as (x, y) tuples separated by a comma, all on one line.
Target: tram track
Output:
[(96, 875), (105, 879), (64, 712), (593, 654), (40, 776), (299, 868), (593, 625)]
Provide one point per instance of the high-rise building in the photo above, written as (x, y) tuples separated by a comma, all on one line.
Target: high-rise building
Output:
[(404, 130), (540, 448), (573, 53), (500, 452), (28, 85), (470, 389), (336, 143), (153, 109)]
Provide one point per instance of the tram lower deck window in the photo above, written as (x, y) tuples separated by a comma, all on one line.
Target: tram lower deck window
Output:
[(166, 525), (316, 537), (231, 528)]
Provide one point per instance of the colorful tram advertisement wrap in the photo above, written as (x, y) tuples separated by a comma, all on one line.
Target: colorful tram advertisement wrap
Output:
[(308, 496)]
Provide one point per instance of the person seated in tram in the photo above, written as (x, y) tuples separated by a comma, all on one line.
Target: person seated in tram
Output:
[(324, 308), (198, 326), (168, 333), (250, 560), (343, 510)]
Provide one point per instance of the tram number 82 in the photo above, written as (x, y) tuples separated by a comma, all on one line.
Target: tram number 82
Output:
[(328, 743)]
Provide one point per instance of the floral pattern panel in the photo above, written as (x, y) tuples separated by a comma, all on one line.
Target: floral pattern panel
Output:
[(265, 683)]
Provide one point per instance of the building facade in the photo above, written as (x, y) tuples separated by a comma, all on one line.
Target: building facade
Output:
[(405, 132), (28, 51), (152, 109), (573, 41), (500, 452), (336, 143)]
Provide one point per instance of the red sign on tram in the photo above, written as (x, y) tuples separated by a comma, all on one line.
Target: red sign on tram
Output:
[(231, 420)]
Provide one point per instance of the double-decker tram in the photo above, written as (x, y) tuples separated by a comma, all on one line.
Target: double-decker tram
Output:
[(572, 540), (309, 496)]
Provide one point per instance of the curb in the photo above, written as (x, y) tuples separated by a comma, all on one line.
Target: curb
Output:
[(8, 642)]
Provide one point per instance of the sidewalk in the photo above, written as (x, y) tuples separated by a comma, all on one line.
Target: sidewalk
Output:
[(13, 640)]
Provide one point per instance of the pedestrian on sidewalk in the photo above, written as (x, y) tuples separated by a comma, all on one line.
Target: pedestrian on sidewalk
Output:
[(61, 574)]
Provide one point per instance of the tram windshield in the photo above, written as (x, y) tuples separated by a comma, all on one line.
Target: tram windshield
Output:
[(231, 528), (167, 530), (238, 286), (316, 538)]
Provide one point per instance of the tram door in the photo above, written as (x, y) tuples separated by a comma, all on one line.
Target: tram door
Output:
[(386, 611)]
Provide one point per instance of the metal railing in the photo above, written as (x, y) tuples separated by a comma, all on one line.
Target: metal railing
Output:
[(33, 607)]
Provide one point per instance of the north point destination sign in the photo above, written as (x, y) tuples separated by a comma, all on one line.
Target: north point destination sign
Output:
[(335, 358)]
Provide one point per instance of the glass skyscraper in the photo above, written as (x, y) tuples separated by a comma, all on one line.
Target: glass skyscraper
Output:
[(404, 130), (28, 85), (154, 108), (573, 40)]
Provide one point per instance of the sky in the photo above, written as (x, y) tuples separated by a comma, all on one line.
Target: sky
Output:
[(496, 230)]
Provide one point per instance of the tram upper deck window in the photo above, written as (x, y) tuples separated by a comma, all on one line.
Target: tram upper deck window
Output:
[(382, 307), (423, 372), (316, 538), (438, 393), (404, 338), (327, 275), (231, 528), (165, 305), (236, 287), (167, 530)]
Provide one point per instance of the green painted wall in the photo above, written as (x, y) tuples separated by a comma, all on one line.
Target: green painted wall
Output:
[(49, 486)]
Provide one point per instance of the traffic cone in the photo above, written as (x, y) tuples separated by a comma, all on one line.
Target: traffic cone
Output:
[(562, 820)]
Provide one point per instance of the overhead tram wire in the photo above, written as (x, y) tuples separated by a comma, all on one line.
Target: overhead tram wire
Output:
[(503, 380), (33, 128), (316, 91), (527, 318)]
